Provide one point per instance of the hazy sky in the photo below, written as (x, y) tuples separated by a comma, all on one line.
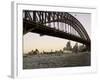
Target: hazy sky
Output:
[(34, 41)]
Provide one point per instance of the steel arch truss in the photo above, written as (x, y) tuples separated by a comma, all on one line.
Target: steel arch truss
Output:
[(55, 21)]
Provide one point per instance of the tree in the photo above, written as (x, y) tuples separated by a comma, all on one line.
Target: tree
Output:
[(31, 52), (36, 51), (75, 48), (82, 48), (68, 46)]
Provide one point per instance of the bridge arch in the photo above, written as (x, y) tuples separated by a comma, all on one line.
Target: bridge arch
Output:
[(44, 17)]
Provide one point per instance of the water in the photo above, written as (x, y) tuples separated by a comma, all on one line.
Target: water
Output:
[(56, 60)]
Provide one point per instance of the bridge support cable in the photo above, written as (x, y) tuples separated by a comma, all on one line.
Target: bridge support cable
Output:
[(49, 19), (68, 28), (65, 27), (44, 22), (53, 20), (39, 16), (34, 16), (58, 21), (42, 17), (27, 16)]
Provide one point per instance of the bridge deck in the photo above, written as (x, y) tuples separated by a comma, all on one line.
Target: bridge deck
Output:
[(44, 30)]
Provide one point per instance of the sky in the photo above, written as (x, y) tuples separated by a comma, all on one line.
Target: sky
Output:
[(32, 41)]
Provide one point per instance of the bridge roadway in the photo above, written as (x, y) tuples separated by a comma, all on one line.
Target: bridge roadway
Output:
[(31, 26)]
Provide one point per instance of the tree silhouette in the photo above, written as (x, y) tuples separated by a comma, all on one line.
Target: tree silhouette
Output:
[(83, 48), (75, 48), (68, 46), (36, 51)]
